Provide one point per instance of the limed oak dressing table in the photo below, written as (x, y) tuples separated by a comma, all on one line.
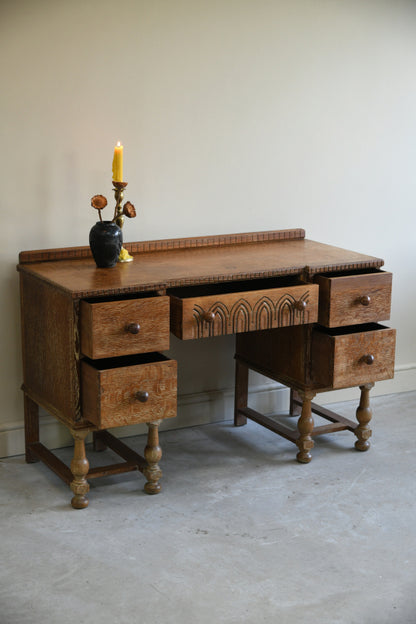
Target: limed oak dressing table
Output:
[(304, 313)]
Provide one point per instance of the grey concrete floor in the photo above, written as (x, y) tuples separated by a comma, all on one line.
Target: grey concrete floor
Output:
[(241, 532)]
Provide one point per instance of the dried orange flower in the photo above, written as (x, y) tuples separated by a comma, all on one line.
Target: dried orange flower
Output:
[(129, 210), (98, 202)]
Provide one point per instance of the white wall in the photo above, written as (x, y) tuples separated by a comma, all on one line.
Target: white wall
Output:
[(236, 115)]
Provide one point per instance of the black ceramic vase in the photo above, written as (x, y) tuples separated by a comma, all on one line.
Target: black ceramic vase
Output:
[(106, 239)]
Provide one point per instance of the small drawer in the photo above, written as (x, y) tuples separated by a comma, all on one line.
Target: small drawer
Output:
[(129, 390), (200, 313), (354, 299), (352, 356), (124, 327)]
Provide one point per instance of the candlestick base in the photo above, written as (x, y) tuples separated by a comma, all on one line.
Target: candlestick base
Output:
[(125, 256)]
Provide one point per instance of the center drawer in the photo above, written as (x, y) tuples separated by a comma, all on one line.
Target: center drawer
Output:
[(204, 311), (129, 390), (124, 327)]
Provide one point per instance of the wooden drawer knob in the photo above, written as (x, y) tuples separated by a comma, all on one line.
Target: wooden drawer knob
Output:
[(133, 328), (208, 317), (300, 305), (365, 300), (142, 396), (368, 359)]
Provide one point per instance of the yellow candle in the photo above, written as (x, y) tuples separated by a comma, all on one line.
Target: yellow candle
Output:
[(118, 163)]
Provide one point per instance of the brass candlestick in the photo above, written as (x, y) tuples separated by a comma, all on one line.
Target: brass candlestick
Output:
[(119, 216)]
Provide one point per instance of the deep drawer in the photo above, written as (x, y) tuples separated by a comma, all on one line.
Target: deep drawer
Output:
[(222, 312), (354, 299), (115, 328), (126, 391), (352, 356)]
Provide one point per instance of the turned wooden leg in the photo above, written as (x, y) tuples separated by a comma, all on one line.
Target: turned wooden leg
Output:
[(241, 393), (79, 469), (305, 428), (364, 415), (153, 454), (31, 427), (294, 408)]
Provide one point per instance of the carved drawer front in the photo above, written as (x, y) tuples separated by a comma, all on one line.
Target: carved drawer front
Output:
[(352, 356), (125, 391), (243, 311), (354, 299), (114, 328)]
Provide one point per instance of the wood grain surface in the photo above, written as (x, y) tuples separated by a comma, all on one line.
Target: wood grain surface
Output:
[(109, 397), (50, 347), (339, 360), (166, 268), (104, 327), (306, 357), (233, 313), (75, 253), (353, 299)]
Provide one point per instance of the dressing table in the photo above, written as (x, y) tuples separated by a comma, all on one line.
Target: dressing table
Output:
[(304, 313)]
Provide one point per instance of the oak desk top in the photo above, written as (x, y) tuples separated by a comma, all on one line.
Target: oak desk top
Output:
[(189, 261)]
